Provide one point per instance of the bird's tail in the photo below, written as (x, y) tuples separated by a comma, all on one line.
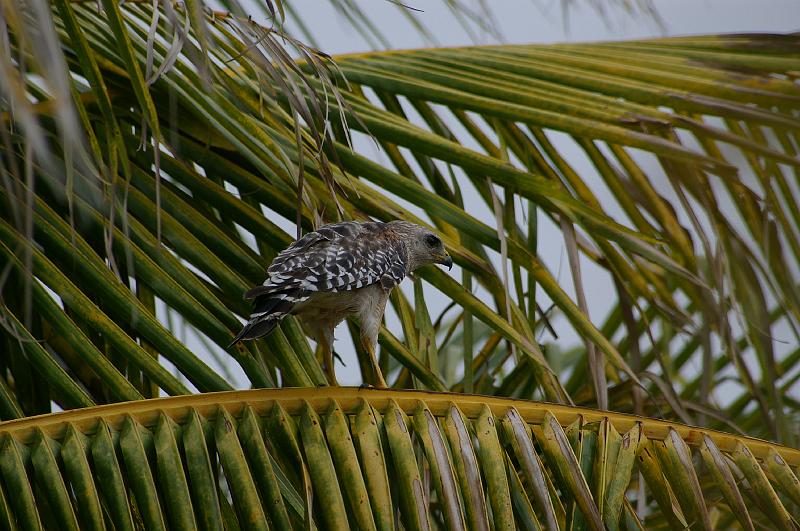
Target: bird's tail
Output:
[(268, 310), (256, 327)]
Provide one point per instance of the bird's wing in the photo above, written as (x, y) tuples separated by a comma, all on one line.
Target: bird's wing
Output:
[(339, 257), (334, 258)]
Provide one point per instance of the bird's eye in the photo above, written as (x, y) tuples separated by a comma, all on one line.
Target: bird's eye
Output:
[(432, 240)]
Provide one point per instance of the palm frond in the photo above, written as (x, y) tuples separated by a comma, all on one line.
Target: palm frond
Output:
[(249, 458), (672, 160)]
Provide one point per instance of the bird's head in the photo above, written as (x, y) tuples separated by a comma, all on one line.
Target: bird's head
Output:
[(423, 246)]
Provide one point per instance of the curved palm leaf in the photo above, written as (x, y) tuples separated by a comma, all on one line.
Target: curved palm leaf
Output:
[(247, 459), (104, 242)]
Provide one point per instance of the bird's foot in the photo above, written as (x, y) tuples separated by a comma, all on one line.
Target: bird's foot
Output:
[(380, 383), (330, 374)]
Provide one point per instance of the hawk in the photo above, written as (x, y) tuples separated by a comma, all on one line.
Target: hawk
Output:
[(340, 270)]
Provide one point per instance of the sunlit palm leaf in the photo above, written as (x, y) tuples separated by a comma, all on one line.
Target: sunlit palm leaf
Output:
[(185, 229), (247, 458)]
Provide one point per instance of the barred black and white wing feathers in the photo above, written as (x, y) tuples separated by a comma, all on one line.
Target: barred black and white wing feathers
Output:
[(335, 258)]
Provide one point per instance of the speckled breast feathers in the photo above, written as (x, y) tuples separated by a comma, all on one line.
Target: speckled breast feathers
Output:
[(335, 258)]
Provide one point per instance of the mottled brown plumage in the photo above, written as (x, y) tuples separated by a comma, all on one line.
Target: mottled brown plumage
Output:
[(337, 271)]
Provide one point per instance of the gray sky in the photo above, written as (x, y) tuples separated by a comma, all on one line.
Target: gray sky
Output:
[(526, 21), (541, 21)]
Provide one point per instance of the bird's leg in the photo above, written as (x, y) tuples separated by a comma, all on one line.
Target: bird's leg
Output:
[(377, 375), (327, 359)]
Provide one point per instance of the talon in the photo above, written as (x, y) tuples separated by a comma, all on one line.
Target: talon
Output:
[(377, 376), (330, 373)]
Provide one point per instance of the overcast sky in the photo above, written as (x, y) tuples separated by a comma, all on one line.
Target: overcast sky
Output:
[(541, 21)]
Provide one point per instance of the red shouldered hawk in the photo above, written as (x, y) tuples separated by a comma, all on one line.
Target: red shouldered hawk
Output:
[(340, 270)]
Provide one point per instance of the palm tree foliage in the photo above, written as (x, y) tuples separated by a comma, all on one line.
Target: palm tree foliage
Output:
[(405, 458), (150, 157)]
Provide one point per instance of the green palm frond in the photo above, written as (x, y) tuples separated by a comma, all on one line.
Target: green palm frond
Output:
[(324, 458), (142, 179), (154, 160)]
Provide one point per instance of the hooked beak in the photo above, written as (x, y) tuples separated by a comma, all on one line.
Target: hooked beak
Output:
[(446, 260)]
